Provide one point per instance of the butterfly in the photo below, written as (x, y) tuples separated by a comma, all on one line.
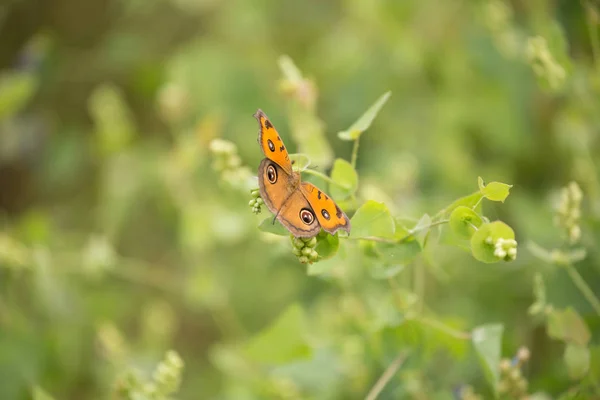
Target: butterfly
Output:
[(301, 207)]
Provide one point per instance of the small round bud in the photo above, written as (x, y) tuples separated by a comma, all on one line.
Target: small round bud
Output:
[(307, 251), (297, 242), (505, 365), (515, 374)]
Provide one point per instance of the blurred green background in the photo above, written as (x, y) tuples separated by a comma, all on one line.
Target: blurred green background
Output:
[(120, 240)]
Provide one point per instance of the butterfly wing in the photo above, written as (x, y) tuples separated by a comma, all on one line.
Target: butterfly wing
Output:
[(271, 144), (282, 194), (330, 216)]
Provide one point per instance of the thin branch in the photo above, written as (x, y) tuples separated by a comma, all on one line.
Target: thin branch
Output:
[(355, 152), (455, 333), (324, 177), (583, 287), (387, 375), (411, 233)]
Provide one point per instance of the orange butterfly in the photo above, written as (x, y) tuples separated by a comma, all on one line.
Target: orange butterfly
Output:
[(300, 206)]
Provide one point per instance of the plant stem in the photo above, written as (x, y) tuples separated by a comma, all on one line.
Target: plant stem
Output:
[(455, 333), (354, 153), (411, 233), (387, 375), (583, 287), (324, 177)]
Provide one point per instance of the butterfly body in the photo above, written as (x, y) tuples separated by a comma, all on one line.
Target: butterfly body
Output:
[(301, 207)]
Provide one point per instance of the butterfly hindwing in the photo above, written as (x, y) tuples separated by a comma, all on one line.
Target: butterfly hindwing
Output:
[(280, 192), (330, 215)]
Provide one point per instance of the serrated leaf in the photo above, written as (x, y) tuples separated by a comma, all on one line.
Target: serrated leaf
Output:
[(568, 326), (577, 359), (365, 121), (487, 340), (281, 342), (495, 191), (346, 178), (300, 161), (372, 219), (267, 225)]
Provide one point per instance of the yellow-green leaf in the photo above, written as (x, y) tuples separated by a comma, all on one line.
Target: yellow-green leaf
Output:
[(365, 121)]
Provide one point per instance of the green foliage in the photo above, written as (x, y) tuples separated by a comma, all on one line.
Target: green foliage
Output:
[(128, 200), (372, 219), (464, 221), (345, 178), (16, 89), (487, 243), (365, 120), (568, 326), (283, 341), (577, 360), (494, 191), (487, 341)]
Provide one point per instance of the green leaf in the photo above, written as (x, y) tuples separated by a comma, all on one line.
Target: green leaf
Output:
[(113, 120), (400, 253), (346, 178), (487, 340), (283, 341), (327, 245), (568, 326), (16, 89), (372, 219), (482, 242), (365, 121), (267, 225), (494, 191), (289, 69), (464, 221), (300, 161), (40, 394), (577, 358), (468, 201), (480, 183)]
